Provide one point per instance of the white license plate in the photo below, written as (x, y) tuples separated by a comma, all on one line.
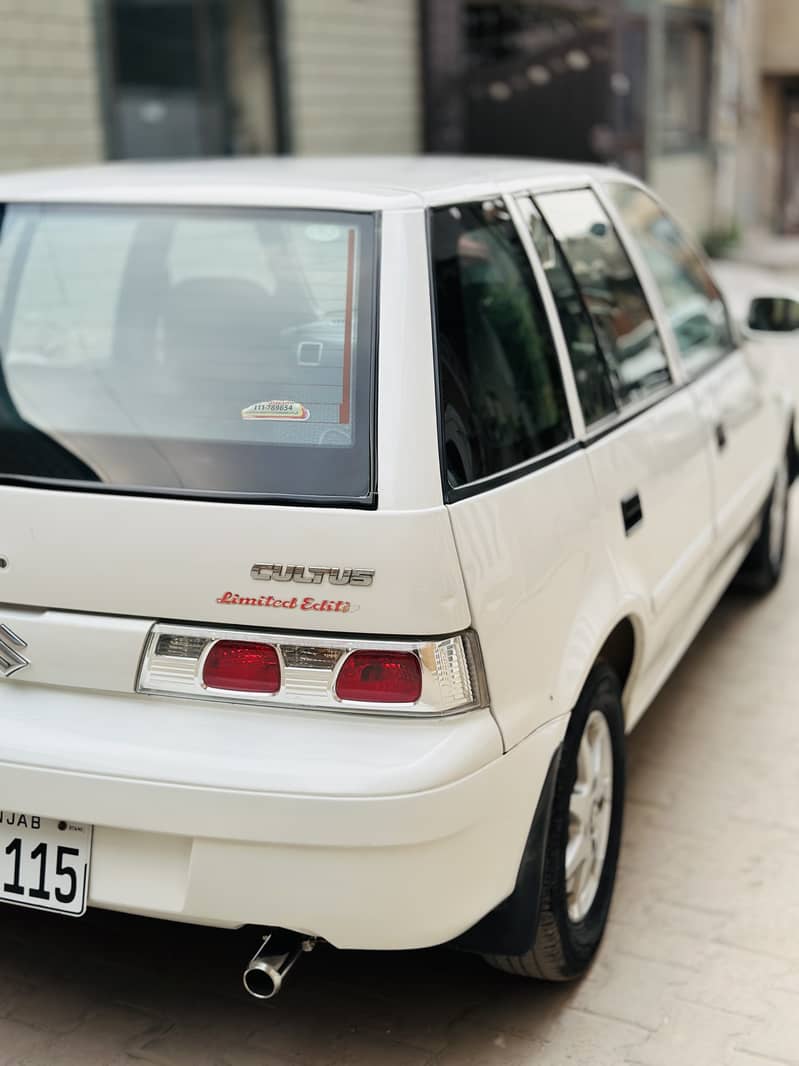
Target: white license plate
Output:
[(44, 863)]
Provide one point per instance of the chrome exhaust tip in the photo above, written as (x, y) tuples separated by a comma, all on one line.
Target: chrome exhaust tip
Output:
[(268, 968)]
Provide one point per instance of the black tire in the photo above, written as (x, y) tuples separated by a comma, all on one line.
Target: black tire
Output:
[(563, 949), (763, 567)]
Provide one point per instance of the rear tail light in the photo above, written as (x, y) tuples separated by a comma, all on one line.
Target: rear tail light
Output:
[(380, 677), (242, 666), (431, 677)]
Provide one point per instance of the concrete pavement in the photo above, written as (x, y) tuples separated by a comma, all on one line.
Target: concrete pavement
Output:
[(700, 966)]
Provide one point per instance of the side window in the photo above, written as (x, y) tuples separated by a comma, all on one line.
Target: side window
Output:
[(610, 288), (501, 394), (588, 362), (692, 301)]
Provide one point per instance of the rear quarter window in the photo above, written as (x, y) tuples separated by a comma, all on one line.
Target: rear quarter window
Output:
[(502, 401)]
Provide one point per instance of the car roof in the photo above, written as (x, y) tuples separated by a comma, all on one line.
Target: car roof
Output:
[(356, 183)]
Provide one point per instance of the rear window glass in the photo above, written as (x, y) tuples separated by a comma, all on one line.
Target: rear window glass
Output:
[(194, 351)]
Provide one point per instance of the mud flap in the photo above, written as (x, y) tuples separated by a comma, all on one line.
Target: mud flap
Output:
[(510, 928)]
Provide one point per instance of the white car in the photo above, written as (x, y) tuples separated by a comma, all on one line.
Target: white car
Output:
[(353, 511)]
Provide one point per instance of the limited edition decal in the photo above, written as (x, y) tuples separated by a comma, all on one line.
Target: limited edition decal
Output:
[(288, 603), (279, 410)]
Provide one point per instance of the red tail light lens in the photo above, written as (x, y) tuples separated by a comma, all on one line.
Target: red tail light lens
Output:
[(380, 677), (242, 666)]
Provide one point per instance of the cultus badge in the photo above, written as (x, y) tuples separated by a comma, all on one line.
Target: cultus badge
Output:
[(312, 575)]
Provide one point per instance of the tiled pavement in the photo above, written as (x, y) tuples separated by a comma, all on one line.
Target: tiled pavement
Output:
[(700, 966)]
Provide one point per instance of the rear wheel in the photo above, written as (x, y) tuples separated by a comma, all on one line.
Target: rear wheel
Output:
[(583, 841), (764, 564)]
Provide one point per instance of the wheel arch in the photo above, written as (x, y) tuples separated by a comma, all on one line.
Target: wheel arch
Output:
[(510, 928), (620, 643), (620, 651)]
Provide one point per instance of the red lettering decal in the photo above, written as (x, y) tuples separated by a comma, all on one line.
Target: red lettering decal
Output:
[(307, 603)]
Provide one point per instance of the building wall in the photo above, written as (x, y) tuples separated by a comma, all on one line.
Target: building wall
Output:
[(769, 185), (779, 59), (49, 109), (749, 157), (683, 178), (353, 76), (780, 32), (685, 181)]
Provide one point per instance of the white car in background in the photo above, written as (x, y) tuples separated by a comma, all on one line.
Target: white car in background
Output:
[(353, 513)]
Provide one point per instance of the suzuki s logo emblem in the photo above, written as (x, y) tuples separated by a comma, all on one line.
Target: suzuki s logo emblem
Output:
[(10, 658), (312, 575)]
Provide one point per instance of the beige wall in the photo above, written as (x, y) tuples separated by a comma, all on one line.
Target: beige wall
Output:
[(780, 41), (736, 107), (49, 111), (686, 184), (769, 185), (353, 69)]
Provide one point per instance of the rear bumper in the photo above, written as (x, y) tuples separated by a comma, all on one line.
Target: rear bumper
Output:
[(408, 868)]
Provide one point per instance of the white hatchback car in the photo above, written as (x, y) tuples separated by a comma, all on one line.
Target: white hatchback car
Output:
[(353, 512)]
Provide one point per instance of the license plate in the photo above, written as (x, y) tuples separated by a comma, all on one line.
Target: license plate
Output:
[(44, 863)]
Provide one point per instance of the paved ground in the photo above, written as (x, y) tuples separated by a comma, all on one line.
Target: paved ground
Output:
[(700, 966)]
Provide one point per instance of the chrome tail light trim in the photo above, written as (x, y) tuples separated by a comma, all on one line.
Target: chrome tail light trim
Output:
[(453, 679)]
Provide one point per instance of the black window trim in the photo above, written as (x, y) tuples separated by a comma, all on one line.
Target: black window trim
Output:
[(368, 502)]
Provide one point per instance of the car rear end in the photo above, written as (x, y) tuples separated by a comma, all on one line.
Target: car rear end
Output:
[(240, 680)]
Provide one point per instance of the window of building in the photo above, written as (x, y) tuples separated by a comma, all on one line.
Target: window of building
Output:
[(624, 325), (191, 78), (501, 394), (687, 78), (588, 363), (692, 301)]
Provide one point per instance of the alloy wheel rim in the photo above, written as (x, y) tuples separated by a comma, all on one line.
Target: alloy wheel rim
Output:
[(777, 513), (590, 807)]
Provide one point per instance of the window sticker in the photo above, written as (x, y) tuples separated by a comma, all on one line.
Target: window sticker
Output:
[(284, 410)]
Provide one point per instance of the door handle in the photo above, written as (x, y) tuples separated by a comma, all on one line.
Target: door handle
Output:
[(632, 513), (721, 435)]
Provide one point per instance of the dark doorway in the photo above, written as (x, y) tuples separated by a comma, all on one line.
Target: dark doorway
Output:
[(548, 78), (190, 77)]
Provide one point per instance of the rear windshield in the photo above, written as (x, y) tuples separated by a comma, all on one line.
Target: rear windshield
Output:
[(197, 351)]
